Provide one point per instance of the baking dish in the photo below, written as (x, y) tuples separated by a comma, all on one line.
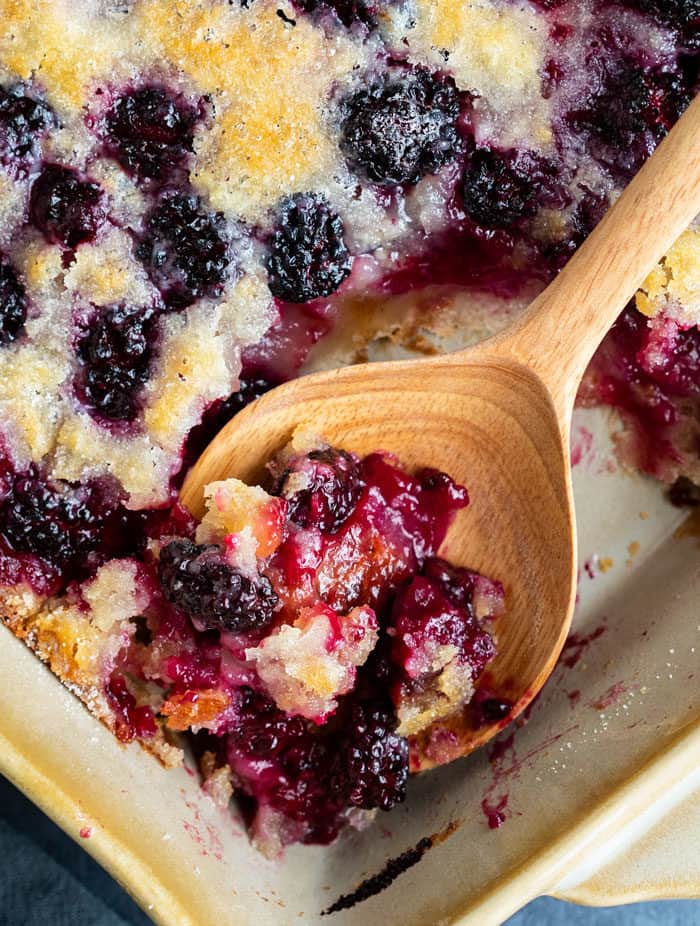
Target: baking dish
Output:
[(600, 788)]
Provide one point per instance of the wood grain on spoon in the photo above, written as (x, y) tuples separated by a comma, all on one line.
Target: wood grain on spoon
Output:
[(496, 417)]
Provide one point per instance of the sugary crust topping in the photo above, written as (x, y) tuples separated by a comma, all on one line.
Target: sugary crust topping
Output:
[(307, 665), (80, 637), (267, 81), (106, 273), (673, 286), (494, 50), (233, 507), (451, 688), (269, 84)]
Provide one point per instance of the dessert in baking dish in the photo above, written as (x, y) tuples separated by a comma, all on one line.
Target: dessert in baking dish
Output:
[(192, 195)]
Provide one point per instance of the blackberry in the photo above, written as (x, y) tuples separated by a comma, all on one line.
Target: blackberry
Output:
[(185, 250), (149, 132), (349, 12), (23, 120), (115, 354), (13, 305), (456, 583), (684, 493), (371, 766), (281, 763), (402, 128), (262, 729), (682, 14), (196, 579), (333, 488), (308, 256), (624, 121), (220, 413), (60, 523), (249, 389), (495, 709), (64, 208), (497, 193)]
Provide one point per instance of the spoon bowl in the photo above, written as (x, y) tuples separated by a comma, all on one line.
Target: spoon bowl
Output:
[(496, 417), (493, 428)]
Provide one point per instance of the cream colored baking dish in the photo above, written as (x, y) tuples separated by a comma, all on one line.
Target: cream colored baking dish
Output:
[(600, 789)]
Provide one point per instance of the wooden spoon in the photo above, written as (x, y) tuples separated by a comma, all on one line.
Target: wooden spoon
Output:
[(496, 417)]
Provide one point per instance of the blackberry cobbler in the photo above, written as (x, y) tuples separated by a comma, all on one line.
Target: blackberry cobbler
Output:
[(195, 194)]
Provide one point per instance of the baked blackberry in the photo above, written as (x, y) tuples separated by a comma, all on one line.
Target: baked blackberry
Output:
[(497, 193), (333, 486), (185, 250), (23, 120), (64, 208), (196, 579), (60, 523), (402, 128), (115, 354), (308, 257), (150, 132), (371, 766), (634, 109), (13, 303)]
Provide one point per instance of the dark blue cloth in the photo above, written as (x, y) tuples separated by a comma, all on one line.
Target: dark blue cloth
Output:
[(48, 880)]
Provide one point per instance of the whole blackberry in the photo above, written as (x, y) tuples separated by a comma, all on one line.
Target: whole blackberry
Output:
[(149, 132), (371, 766), (64, 208), (402, 128), (115, 354), (23, 120), (195, 578), (497, 194), (333, 486), (13, 306), (56, 521), (308, 256), (185, 250)]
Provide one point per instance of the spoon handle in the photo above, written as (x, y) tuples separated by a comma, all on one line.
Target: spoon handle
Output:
[(559, 333)]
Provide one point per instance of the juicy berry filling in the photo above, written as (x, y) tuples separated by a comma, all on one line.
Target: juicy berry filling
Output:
[(402, 128), (13, 306), (195, 579), (70, 528), (64, 208), (497, 192), (23, 120), (308, 256), (332, 486), (115, 353), (185, 250), (150, 132), (284, 629), (651, 374)]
